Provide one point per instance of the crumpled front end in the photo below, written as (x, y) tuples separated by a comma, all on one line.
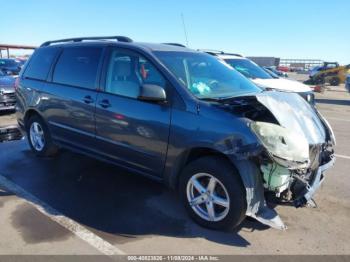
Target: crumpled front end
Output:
[(297, 148)]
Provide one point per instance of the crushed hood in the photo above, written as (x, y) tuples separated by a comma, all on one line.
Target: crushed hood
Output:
[(294, 113), (282, 84)]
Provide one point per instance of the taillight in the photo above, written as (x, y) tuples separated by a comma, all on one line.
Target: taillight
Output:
[(16, 83)]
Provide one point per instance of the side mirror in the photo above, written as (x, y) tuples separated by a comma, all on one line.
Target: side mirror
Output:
[(152, 93)]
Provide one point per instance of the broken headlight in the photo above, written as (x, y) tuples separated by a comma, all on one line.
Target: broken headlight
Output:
[(284, 145)]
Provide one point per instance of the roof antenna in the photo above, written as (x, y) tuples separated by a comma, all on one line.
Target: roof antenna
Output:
[(184, 26)]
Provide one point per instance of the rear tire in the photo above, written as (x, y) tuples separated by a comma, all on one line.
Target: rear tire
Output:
[(39, 137), (221, 207)]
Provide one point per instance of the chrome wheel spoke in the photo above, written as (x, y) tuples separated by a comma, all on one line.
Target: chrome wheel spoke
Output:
[(40, 142), (204, 200), (197, 200), (201, 189), (220, 201), (210, 210), (211, 185), (36, 128)]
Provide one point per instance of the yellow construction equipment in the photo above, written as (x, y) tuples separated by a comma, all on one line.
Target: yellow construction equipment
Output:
[(330, 73)]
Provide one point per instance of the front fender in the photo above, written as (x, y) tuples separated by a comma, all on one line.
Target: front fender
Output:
[(214, 130)]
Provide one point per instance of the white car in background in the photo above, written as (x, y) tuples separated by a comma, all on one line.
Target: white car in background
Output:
[(263, 79)]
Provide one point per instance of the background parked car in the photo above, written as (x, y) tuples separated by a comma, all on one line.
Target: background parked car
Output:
[(10, 66), (283, 68), (263, 79), (7, 92), (275, 71), (21, 62), (347, 83)]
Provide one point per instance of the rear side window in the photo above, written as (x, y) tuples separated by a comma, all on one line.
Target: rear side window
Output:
[(40, 63), (78, 67)]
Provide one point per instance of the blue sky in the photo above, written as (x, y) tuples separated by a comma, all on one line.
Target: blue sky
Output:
[(317, 29)]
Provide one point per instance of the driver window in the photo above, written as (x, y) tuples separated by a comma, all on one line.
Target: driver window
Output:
[(128, 71)]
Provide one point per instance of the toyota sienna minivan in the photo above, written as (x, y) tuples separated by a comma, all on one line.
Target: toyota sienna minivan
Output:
[(178, 116)]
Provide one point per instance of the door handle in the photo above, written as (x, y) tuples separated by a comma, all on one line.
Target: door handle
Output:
[(88, 100), (104, 103)]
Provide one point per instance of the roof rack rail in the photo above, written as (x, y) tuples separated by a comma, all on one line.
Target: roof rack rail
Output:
[(175, 44), (80, 39), (217, 52), (211, 51), (233, 54)]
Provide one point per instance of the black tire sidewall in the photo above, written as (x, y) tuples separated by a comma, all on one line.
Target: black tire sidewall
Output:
[(229, 177)]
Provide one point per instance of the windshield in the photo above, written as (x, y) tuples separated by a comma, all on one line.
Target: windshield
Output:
[(248, 68), (205, 76)]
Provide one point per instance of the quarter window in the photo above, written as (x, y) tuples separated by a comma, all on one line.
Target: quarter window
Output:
[(128, 71), (78, 67), (40, 63)]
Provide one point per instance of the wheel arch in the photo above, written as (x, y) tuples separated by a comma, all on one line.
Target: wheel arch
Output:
[(172, 177), (30, 113)]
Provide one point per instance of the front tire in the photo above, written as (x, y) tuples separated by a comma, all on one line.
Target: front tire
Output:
[(39, 137), (213, 193)]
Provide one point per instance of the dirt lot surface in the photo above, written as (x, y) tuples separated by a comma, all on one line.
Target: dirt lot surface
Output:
[(7, 118)]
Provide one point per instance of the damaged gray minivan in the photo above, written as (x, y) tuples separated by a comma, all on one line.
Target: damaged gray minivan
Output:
[(179, 116)]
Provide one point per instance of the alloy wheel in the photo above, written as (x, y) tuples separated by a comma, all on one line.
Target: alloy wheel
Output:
[(37, 137), (208, 197)]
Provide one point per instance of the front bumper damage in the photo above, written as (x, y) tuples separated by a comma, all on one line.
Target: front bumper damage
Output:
[(300, 191), (298, 182), (311, 188), (257, 207)]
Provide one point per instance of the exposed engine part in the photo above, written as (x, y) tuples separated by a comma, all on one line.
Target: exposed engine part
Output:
[(276, 178)]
